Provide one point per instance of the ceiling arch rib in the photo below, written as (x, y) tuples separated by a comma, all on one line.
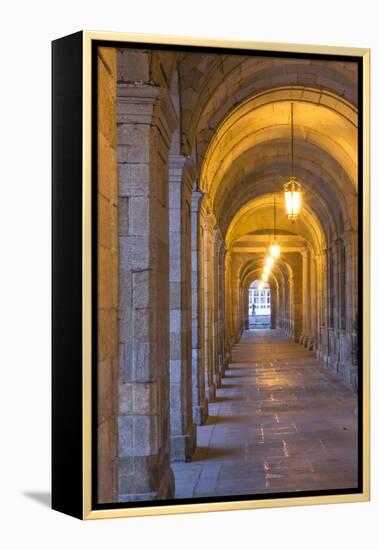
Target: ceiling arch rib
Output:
[(257, 215), (249, 156), (254, 266), (272, 157), (253, 124), (221, 83)]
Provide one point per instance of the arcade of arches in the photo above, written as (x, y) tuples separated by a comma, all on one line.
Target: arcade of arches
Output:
[(192, 149)]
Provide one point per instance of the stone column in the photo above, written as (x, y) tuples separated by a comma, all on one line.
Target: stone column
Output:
[(221, 293), (322, 353), (199, 401), (306, 298), (351, 295), (336, 305), (281, 302), (339, 319), (216, 237), (286, 305), (291, 307), (314, 303), (317, 262), (245, 307), (228, 306), (183, 430), (331, 297), (274, 306), (146, 119), (235, 302), (208, 227)]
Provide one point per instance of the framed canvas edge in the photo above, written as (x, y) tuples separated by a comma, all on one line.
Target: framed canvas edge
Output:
[(364, 496)]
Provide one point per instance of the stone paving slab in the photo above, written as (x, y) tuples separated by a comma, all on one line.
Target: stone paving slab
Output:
[(281, 422)]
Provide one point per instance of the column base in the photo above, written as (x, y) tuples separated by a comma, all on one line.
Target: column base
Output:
[(183, 446), (200, 413), (145, 478), (221, 367), (354, 380), (218, 379), (345, 371), (311, 343), (210, 392), (224, 367)]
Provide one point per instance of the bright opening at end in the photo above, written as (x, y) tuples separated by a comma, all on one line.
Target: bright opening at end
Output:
[(259, 306)]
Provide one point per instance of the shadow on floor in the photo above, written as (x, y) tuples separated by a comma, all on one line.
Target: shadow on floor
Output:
[(215, 454), (224, 399), (232, 419), (41, 497)]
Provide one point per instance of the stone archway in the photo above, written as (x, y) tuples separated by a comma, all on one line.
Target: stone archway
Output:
[(193, 162)]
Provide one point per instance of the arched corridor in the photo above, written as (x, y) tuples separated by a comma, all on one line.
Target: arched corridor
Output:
[(194, 152), (280, 422)]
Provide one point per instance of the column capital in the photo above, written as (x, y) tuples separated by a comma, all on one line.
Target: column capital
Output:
[(190, 173), (305, 252), (228, 256), (349, 236), (182, 170), (216, 236), (142, 103), (196, 200), (209, 221)]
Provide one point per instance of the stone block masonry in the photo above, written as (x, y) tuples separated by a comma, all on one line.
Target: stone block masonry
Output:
[(145, 119)]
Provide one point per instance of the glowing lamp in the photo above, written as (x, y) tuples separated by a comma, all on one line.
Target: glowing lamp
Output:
[(275, 251), (292, 199)]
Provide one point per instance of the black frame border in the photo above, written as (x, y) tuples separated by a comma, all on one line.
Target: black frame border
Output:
[(67, 259)]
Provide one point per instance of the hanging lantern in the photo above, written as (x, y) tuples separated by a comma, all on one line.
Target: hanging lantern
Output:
[(292, 199), (292, 189)]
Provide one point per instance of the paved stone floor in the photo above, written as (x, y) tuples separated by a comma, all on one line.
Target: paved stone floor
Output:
[(281, 422)]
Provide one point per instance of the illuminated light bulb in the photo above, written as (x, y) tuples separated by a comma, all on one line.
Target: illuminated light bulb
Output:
[(265, 277), (275, 251), (267, 269)]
